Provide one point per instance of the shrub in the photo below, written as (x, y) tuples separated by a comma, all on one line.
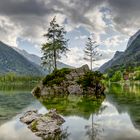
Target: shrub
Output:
[(90, 79), (137, 75), (116, 77), (56, 77), (37, 92)]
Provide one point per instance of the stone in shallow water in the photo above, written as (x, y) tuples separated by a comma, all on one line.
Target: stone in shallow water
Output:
[(45, 126), (30, 116)]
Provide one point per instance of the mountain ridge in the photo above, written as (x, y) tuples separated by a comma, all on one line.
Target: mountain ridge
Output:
[(12, 61), (129, 58), (37, 60)]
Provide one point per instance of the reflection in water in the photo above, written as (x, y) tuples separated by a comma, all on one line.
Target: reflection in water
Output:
[(14, 130), (127, 99), (115, 118), (13, 101), (77, 106), (74, 105), (95, 130)]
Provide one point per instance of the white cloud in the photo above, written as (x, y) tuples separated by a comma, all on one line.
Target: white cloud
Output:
[(8, 31), (114, 41), (75, 57), (81, 37), (96, 18)]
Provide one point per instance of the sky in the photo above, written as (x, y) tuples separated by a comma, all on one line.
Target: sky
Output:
[(109, 22)]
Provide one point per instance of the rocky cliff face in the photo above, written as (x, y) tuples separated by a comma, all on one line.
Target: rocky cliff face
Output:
[(130, 57), (71, 81), (111, 62), (133, 38)]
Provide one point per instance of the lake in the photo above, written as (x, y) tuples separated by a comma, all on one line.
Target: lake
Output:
[(117, 117)]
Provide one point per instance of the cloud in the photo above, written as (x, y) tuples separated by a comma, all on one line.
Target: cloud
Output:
[(75, 57), (81, 37), (114, 41), (24, 7), (8, 31), (125, 15), (29, 19)]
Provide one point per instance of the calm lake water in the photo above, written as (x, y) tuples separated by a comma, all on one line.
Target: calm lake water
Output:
[(117, 117)]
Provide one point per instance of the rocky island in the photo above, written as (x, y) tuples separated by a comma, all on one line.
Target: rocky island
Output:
[(79, 81)]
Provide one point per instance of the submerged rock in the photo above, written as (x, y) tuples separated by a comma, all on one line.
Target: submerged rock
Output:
[(45, 126), (70, 81)]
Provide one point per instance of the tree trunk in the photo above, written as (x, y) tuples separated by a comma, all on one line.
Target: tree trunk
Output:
[(55, 63), (91, 63), (92, 135)]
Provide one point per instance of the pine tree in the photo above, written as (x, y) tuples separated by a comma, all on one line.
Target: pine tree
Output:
[(55, 46), (90, 51)]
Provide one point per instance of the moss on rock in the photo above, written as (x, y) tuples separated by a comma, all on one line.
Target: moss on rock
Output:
[(56, 77)]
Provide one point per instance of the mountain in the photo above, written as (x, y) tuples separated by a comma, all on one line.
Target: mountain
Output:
[(130, 57), (37, 60), (12, 61), (31, 57)]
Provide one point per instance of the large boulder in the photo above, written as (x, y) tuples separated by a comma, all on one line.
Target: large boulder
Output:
[(45, 126)]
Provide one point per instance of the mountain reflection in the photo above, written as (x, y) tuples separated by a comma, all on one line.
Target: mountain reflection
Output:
[(126, 98)]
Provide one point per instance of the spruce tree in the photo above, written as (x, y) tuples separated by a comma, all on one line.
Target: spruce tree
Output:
[(55, 46), (90, 51)]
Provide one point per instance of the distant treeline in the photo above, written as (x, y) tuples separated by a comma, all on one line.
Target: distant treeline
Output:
[(14, 78), (123, 74)]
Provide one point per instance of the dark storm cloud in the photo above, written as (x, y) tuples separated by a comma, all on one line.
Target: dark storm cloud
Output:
[(125, 14), (23, 7), (31, 15), (45, 7), (123, 11)]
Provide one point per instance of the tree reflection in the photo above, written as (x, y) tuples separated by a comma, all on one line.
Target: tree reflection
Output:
[(126, 98), (81, 106), (94, 131)]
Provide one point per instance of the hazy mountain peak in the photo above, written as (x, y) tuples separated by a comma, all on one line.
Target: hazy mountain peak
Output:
[(12, 61)]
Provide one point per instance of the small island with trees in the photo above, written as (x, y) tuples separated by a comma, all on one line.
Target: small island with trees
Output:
[(62, 82), (67, 81)]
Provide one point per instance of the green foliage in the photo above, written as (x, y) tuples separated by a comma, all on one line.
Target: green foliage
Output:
[(81, 106), (116, 77), (13, 78), (110, 72), (137, 75), (33, 126), (90, 79), (133, 73), (56, 77), (55, 46), (37, 92)]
